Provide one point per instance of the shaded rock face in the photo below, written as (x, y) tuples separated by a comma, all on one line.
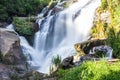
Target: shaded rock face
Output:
[(10, 47), (70, 62), (3, 24), (13, 64), (88, 45), (12, 60)]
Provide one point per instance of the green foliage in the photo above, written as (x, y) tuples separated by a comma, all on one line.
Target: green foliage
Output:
[(61, 72), (111, 30), (104, 4), (10, 8), (23, 26), (100, 54), (3, 14), (117, 15), (53, 4), (114, 28), (56, 60), (92, 71), (114, 42)]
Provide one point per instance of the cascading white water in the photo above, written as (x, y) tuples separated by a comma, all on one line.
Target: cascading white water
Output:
[(58, 33), (29, 52)]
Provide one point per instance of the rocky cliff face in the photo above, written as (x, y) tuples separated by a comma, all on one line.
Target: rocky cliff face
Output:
[(12, 60), (13, 64)]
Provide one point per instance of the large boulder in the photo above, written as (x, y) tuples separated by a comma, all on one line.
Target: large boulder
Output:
[(10, 47), (12, 58)]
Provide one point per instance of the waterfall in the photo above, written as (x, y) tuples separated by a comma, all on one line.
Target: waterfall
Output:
[(59, 32)]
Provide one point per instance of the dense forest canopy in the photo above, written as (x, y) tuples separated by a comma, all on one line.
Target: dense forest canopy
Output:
[(10, 8)]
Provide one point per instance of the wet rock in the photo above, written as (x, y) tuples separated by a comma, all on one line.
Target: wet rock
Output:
[(88, 45), (56, 9), (102, 50), (67, 63)]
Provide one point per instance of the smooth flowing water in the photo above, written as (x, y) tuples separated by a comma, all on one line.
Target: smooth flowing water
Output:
[(58, 33)]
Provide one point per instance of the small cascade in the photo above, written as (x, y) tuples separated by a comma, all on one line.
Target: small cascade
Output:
[(30, 53), (10, 27), (104, 48)]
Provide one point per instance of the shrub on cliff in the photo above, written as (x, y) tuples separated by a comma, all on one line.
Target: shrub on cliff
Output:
[(23, 27)]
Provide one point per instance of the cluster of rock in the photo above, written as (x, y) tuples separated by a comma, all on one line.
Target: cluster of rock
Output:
[(89, 48), (13, 64)]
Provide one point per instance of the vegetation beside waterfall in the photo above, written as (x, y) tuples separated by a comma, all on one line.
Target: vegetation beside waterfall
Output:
[(109, 27), (92, 71), (56, 60), (23, 26)]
